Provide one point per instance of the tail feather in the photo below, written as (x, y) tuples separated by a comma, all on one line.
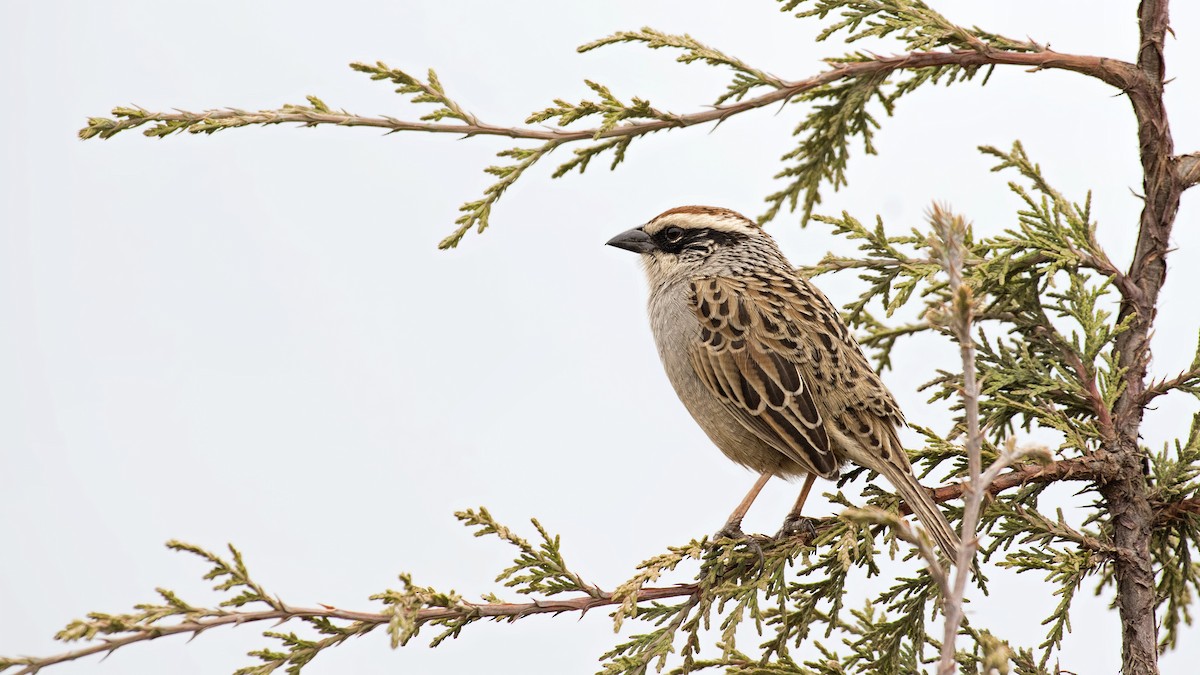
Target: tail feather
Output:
[(917, 499), (892, 463)]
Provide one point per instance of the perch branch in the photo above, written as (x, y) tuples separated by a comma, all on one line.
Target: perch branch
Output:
[(366, 620)]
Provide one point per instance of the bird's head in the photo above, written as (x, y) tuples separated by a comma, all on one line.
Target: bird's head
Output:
[(690, 240)]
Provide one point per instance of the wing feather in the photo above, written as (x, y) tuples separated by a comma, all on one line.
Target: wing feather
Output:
[(744, 355)]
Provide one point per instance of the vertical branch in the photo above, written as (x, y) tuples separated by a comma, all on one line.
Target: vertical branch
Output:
[(1130, 513), (949, 248)]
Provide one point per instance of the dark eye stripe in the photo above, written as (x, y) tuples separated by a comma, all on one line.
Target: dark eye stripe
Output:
[(702, 239)]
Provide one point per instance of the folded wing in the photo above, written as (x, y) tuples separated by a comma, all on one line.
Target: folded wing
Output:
[(747, 357)]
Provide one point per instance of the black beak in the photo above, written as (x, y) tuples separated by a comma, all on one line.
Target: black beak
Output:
[(633, 240)]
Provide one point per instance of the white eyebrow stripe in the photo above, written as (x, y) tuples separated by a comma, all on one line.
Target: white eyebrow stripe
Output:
[(696, 221)]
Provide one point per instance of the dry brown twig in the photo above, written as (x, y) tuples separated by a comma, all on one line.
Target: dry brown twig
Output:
[(949, 247)]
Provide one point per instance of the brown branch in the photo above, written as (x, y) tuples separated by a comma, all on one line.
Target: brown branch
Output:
[(365, 620), (1117, 73), (1093, 468), (1187, 169), (1087, 378), (1156, 389), (1087, 468), (1126, 497), (1103, 265)]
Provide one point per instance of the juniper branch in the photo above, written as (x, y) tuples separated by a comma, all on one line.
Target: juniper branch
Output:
[(1187, 380), (538, 569), (361, 622), (746, 77), (916, 24), (622, 122), (1111, 71), (1091, 468), (906, 533), (1088, 468)]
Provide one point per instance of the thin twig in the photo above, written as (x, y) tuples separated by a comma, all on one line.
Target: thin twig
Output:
[(1089, 468), (1114, 72), (1165, 512), (950, 233), (581, 604), (948, 244), (1156, 389), (905, 532)]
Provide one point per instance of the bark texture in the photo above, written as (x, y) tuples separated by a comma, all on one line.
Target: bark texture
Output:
[(1131, 514)]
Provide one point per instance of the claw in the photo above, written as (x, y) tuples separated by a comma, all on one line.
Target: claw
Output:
[(794, 526), (733, 530)]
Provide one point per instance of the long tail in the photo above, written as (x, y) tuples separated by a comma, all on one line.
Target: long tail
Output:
[(922, 505)]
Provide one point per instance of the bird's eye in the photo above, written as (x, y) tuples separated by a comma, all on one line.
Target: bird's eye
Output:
[(673, 234)]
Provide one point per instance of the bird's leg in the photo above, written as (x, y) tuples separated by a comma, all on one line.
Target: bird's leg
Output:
[(733, 526), (795, 523)]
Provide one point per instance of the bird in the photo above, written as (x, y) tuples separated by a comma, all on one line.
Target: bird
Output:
[(764, 363)]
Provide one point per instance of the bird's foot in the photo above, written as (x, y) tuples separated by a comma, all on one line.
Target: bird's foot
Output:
[(798, 526), (733, 531)]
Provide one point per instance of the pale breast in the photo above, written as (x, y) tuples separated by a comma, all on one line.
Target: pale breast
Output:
[(675, 328)]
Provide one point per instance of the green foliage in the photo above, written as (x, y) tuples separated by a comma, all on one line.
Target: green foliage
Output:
[(1047, 360), (840, 112), (430, 91), (1065, 568), (1044, 296), (793, 591), (405, 607), (610, 108), (475, 213), (585, 154), (1046, 357), (918, 27), (746, 77), (1176, 538), (160, 125), (844, 105), (539, 570)]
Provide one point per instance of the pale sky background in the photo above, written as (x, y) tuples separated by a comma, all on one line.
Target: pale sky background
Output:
[(252, 337)]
